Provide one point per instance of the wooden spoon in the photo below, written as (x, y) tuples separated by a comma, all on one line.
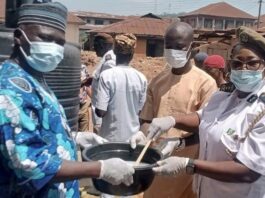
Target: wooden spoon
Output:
[(139, 159)]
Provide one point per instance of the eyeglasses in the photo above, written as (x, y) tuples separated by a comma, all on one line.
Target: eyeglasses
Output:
[(250, 65)]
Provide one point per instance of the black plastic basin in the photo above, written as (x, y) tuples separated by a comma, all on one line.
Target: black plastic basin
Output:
[(143, 176)]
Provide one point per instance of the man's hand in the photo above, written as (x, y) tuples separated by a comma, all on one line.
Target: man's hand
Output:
[(137, 138), (168, 145), (116, 171), (87, 139), (171, 166), (159, 126)]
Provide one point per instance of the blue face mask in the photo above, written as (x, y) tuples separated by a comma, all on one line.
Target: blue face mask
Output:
[(44, 57), (246, 80)]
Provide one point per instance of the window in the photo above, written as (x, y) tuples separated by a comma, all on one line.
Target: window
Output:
[(192, 22), (208, 23), (218, 24), (99, 22), (199, 25), (248, 24), (229, 24), (239, 23), (88, 21)]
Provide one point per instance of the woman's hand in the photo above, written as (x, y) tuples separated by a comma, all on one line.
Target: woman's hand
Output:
[(171, 166)]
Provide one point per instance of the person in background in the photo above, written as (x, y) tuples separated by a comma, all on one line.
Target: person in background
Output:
[(103, 46), (37, 151), (84, 95), (231, 127), (182, 88), (199, 59), (214, 65), (121, 94)]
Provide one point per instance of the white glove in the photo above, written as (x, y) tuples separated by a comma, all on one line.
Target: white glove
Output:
[(159, 126), (116, 171), (167, 146), (171, 166), (137, 138), (87, 139)]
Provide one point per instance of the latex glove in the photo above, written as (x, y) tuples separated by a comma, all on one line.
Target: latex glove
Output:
[(159, 126), (171, 166), (116, 171), (137, 138), (87, 139), (167, 146)]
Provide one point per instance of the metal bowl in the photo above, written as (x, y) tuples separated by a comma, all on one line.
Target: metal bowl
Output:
[(143, 176)]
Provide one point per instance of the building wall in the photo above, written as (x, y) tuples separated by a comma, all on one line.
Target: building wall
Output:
[(221, 49), (141, 46), (72, 33), (216, 23), (98, 21)]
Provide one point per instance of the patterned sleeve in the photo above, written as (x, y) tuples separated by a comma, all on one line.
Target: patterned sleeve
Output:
[(31, 157)]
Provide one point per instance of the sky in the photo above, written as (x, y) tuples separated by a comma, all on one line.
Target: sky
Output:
[(141, 7)]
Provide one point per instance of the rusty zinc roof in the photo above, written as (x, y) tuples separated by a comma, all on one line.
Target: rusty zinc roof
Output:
[(140, 26), (98, 15), (71, 18), (221, 9)]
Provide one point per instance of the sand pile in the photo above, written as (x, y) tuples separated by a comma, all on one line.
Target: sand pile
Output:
[(149, 66)]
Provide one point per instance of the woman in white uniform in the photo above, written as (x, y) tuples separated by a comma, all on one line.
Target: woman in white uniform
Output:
[(231, 131)]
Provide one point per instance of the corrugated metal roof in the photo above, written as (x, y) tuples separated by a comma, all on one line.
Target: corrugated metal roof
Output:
[(71, 18), (221, 9), (140, 26), (90, 27), (98, 15)]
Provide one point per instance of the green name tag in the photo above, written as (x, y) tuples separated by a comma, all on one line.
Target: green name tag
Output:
[(230, 131)]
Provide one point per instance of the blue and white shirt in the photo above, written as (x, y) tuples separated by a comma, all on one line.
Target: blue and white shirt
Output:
[(34, 138)]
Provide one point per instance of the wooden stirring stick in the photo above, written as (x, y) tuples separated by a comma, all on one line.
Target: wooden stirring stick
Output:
[(139, 159)]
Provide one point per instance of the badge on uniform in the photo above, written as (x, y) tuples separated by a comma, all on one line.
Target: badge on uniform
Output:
[(230, 131), (262, 97), (227, 87), (108, 57), (252, 98), (21, 84)]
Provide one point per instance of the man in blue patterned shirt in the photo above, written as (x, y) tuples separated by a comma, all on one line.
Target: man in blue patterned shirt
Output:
[(37, 152)]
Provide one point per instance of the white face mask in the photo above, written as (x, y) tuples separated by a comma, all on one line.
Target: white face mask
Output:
[(44, 57), (176, 58)]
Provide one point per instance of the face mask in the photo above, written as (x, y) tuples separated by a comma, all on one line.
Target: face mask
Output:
[(246, 80), (44, 57), (176, 58)]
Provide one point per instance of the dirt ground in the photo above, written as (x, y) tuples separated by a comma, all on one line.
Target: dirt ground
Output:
[(149, 66)]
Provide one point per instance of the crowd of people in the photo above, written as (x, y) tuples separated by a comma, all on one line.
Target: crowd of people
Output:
[(205, 116)]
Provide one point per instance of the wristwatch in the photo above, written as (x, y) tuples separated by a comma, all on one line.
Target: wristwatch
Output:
[(190, 168)]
